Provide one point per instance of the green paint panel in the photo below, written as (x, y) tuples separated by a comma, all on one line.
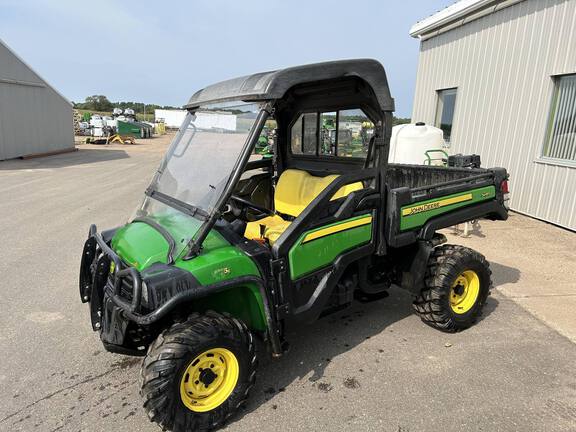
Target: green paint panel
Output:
[(219, 264), (313, 255), (244, 303), (140, 246), (421, 217)]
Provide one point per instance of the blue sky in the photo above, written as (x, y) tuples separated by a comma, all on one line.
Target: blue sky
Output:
[(161, 52)]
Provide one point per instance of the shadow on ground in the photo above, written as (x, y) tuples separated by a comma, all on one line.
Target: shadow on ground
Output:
[(315, 346), (471, 229), (489, 307), (84, 155), (503, 274)]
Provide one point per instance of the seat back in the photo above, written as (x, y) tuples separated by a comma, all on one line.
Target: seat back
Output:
[(296, 189)]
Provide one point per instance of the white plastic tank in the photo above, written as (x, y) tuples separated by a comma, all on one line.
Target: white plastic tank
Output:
[(410, 142)]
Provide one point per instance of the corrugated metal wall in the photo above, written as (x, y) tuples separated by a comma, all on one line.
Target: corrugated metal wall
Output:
[(33, 117), (503, 65)]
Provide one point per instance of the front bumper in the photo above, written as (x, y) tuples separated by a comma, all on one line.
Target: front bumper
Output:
[(103, 291), (124, 317)]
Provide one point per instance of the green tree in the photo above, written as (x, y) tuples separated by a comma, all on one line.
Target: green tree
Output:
[(102, 103), (97, 103), (400, 120)]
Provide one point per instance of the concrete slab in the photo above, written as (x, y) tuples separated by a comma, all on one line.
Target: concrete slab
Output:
[(533, 263), (556, 311)]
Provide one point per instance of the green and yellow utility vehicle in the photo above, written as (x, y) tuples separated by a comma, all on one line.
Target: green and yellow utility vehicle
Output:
[(228, 245)]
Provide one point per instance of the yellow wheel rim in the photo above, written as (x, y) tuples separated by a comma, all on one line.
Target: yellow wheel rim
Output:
[(464, 292), (209, 380)]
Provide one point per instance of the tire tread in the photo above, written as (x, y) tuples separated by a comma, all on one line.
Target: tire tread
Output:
[(168, 353), (432, 305)]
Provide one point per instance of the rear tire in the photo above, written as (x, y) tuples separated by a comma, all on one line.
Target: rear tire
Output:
[(458, 281), (169, 367)]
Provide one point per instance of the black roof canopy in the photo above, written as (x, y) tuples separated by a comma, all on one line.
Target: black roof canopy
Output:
[(274, 84)]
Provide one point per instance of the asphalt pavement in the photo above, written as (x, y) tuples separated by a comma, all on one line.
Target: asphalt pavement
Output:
[(374, 367)]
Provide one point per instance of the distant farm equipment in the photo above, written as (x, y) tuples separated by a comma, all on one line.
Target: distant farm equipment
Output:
[(120, 126)]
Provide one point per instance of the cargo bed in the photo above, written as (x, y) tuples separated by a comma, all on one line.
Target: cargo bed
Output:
[(422, 199)]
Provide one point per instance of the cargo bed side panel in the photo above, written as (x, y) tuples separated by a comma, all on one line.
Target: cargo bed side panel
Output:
[(417, 214), (422, 199)]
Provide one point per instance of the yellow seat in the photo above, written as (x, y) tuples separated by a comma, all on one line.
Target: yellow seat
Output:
[(274, 226), (295, 190)]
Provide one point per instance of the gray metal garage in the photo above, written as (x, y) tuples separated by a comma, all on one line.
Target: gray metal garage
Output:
[(34, 117), (499, 77)]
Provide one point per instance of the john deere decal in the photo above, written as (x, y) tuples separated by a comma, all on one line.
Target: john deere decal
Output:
[(409, 211), (417, 214)]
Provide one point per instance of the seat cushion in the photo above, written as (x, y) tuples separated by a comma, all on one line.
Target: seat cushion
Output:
[(296, 189), (274, 226)]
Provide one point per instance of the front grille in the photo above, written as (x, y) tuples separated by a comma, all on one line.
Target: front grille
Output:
[(126, 288)]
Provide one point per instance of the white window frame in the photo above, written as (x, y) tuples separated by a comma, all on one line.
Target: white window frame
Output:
[(569, 103), (440, 110)]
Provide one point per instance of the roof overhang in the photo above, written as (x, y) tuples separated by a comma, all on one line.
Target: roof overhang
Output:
[(274, 85), (457, 15)]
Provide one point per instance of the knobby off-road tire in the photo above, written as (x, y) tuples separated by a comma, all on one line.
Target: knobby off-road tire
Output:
[(447, 266), (172, 354)]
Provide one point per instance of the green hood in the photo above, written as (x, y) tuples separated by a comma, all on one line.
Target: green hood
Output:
[(140, 245)]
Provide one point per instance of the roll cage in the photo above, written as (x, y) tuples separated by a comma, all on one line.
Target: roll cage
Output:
[(286, 93)]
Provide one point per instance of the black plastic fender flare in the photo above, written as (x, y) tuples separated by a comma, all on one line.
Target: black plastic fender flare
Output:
[(204, 291)]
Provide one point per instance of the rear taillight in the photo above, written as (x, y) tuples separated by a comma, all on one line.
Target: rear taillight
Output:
[(505, 192)]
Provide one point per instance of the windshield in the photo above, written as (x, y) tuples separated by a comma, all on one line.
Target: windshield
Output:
[(201, 157), (197, 166)]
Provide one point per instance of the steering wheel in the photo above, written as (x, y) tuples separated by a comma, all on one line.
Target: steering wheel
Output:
[(262, 211)]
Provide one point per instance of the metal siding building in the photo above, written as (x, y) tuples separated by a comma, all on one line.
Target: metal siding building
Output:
[(503, 58), (34, 118)]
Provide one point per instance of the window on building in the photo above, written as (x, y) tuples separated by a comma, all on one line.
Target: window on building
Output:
[(561, 136), (445, 112), (343, 133)]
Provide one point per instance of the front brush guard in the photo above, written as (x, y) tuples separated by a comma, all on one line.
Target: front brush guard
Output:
[(94, 288), (95, 256)]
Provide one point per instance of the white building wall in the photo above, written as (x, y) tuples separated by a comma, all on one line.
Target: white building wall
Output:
[(172, 118), (502, 65)]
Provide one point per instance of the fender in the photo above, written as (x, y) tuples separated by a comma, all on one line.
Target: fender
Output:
[(413, 278), (199, 292)]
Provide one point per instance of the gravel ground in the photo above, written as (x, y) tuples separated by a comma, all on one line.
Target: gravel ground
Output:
[(374, 367)]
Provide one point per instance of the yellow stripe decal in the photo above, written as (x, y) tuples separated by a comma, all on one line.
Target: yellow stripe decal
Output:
[(337, 228), (409, 211)]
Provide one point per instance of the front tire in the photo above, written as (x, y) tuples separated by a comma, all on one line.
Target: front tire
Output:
[(198, 373), (458, 281)]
